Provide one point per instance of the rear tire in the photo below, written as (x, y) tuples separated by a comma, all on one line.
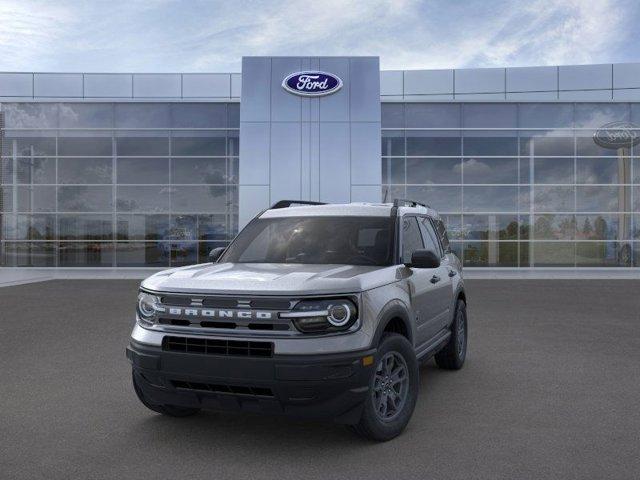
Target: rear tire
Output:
[(169, 410), (393, 390), (452, 356)]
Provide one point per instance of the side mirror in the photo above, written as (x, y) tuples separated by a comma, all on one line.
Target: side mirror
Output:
[(424, 259), (215, 254)]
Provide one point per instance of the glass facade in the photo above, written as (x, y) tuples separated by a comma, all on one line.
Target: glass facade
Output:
[(117, 184), (519, 184)]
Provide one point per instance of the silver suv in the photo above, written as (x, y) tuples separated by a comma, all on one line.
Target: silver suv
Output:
[(314, 310)]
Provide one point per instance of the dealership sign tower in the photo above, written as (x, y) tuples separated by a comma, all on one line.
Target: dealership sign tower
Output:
[(310, 129)]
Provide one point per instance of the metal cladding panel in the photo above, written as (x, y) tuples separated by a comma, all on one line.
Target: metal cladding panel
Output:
[(16, 84), (630, 94), (366, 193), (309, 148), (335, 185), (364, 85), (335, 107), (256, 91), (532, 96), (479, 80), (626, 75), (196, 85), (157, 85), (428, 82), (585, 95), (391, 83), (108, 85), (585, 77), (252, 199), (254, 152), (236, 85), (284, 106), (57, 85), (532, 79), (285, 167)]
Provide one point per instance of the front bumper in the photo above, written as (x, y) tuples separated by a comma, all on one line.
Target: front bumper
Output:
[(330, 386)]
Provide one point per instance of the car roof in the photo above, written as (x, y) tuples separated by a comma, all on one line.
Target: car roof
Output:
[(355, 209)]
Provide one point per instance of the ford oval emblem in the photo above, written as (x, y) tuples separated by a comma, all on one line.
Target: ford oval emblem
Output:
[(312, 83), (616, 135)]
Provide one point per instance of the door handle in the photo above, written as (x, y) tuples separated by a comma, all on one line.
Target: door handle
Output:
[(452, 273), (435, 279)]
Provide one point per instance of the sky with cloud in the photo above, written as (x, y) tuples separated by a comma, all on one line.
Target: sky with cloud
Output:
[(212, 36)]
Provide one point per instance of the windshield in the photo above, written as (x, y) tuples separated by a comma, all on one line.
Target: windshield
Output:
[(316, 240)]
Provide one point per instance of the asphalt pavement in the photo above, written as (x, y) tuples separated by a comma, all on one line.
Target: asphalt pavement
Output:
[(551, 389)]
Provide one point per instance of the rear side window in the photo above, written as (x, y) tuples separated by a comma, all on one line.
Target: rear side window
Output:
[(442, 233), (411, 238)]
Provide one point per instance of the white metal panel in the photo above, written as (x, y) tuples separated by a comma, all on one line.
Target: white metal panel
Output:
[(586, 95), (203, 85), (335, 107), (364, 85), (585, 77), (479, 80), (629, 94), (391, 82), (108, 85), (255, 105), (365, 154), (427, 82), (253, 199), (57, 85), (236, 85), (157, 85), (366, 193), (254, 153), (335, 184), (626, 75), (532, 96), (285, 168), (285, 106), (532, 79), (16, 84)]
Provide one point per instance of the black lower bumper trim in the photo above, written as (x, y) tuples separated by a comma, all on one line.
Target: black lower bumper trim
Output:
[(309, 386)]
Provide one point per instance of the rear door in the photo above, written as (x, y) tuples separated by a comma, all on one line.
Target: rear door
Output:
[(442, 284), (422, 290)]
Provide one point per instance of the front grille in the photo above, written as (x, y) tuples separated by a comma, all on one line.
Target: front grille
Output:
[(218, 388), (207, 346), (267, 303)]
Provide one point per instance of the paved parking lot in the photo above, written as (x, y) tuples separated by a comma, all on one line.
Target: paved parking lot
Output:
[(551, 390)]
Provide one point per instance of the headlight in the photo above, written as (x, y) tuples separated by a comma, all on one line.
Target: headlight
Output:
[(323, 316), (147, 306)]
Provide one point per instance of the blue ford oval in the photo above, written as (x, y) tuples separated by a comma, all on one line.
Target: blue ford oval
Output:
[(312, 83)]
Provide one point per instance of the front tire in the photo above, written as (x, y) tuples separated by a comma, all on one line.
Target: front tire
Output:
[(452, 356), (393, 390), (169, 410)]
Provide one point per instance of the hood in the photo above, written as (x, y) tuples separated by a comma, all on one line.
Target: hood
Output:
[(270, 279)]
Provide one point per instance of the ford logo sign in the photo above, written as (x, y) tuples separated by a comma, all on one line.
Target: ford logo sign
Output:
[(616, 135), (312, 84)]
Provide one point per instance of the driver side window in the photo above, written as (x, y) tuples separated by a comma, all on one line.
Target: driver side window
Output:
[(411, 238)]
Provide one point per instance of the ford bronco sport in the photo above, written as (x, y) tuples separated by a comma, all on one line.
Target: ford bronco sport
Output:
[(313, 310)]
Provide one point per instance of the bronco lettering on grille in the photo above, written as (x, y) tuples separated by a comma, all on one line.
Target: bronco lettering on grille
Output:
[(217, 313)]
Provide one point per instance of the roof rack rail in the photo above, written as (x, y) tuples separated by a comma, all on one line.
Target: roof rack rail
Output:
[(288, 203), (402, 202)]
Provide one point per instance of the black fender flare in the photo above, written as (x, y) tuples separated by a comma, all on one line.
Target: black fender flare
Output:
[(393, 309)]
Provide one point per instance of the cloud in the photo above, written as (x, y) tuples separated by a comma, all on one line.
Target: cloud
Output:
[(167, 35)]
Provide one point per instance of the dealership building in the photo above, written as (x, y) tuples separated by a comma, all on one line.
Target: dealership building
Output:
[(530, 167)]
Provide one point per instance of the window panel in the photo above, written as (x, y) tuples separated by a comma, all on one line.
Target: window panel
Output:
[(428, 144), (490, 115), (490, 254), (199, 199), (432, 115), (85, 227), (30, 115), (546, 144), (553, 170), (392, 115), (145, 146), (29, 146), (390, 193), (553, 254), (603, 199), (490, 199), (142, 198), (585, 145), (490, 170), (199, 115), (139, 254), (85, 199), (142, 170), (6, 170), (602, 226), (443, 199), (212, 227), (554, 227), (85, 170), (180, 252), (233, 115), (603, 170), (393, 170), (203, 146), (36, 199), (453, 224), (491, 144), (603, 254), (85, 254), (392, 143), (36, 254), (84, 115), (36, 170), (554, 199), (35, 227), (94, 146), (598, 114), (545, 115), (199, 170), (434, 170), (204, 248), (233, 143), (490, 227), (142, 115), (142, 227)]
